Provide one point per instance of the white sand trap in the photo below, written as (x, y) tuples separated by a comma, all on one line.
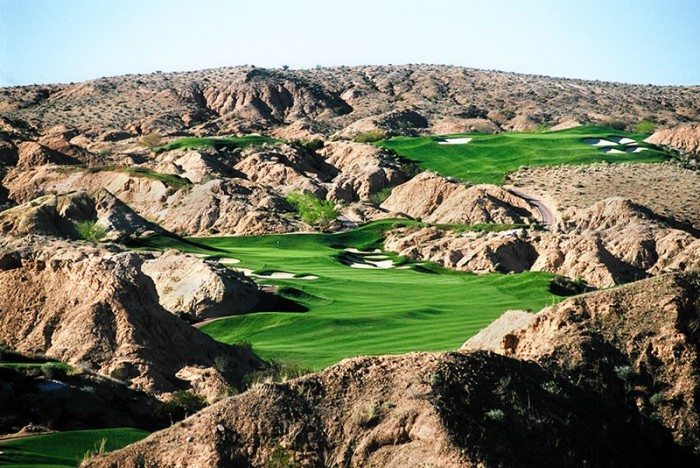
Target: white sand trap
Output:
[(404, 267), (365, 266), (382, 263), (623, 140), (229, 261), (612, 150), (599, 142), (455, 141), (278, 275), (245, 271), (635, 149), (362, 252), (307, 277), (376, 257)]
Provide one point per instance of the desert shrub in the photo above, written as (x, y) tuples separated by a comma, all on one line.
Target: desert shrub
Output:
[(366, 415), (278, 371), (313, 145), (379, 197), (312, 209), (616, 124), (495, 415), (187, 401), (151, 140), (370, 136), (90, 231), (645, 127), (563, 286)]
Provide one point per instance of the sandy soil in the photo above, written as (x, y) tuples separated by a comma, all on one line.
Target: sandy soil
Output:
[(666, 188)]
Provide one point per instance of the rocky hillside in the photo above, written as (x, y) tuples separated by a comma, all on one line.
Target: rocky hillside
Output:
[(434, 199), (341, 99), (96, 307), (614, 241), (608, 379)]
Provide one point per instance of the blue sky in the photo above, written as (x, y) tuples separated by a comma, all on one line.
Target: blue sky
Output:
[(642, 41)]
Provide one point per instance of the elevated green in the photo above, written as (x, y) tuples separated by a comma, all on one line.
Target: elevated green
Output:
[(63, 449), (218, 143), (351, 311), (488, 158)]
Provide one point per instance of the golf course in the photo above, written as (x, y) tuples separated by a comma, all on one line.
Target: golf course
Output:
[(63, 449), (340, 296), (486, 159)]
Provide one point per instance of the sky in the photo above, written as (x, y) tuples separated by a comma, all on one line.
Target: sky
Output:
[(633, 41)]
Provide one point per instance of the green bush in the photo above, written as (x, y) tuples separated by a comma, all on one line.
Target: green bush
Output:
[(379, 197), (313, 210), (370, 136), (90, 231), (645, 127)]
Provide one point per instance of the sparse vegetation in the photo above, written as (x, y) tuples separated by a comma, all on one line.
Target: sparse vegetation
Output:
[(370, 136), (313, 210)]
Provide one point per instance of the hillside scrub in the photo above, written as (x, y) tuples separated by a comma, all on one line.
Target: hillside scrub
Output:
[(313, 210)]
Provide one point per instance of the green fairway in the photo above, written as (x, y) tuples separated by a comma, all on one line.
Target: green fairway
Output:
[(346, 311), (487, 158), (65, 448), (207, 142)]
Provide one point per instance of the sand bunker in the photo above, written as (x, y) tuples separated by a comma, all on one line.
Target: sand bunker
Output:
[(385, 265), (307, 277), (245, 271), (623, 140), (454, 141), (599, 142), (376, 257), (362, 252), (229, 261), (612, 150), (635, 149)]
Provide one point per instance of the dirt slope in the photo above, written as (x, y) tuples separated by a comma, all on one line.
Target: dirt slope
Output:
[(84, 304), (589, 396)]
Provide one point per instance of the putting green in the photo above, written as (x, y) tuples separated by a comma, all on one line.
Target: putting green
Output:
[(63, 449), (488, 158), (348, 311)]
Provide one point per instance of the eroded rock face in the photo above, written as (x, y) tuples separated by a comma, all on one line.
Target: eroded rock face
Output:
[(92, 305), (201, 289), (435, 199), (232, 206), (612, 242), (363, 170), (60, 215), (686, 138), (590, 396)]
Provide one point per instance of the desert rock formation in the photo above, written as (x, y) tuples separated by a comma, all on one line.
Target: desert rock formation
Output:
[(94, 306)]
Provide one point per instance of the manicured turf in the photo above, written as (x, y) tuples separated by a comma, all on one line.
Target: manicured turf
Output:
[(487, 158), (233, 142), (357, 311), (64, 448)]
